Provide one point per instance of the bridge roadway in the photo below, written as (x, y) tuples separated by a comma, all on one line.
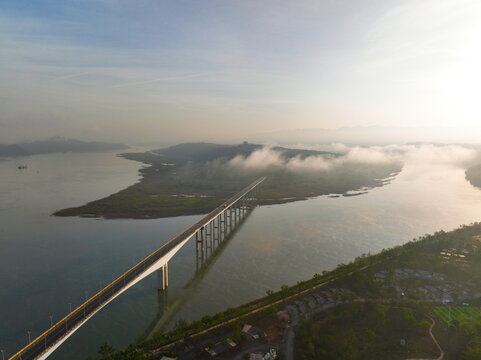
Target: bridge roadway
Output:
[(41, 347)]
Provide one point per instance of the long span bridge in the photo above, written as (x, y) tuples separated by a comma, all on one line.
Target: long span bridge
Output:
[(45, 344)]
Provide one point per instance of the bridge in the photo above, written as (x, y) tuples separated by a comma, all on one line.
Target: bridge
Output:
[(206, 257), (205, 232)]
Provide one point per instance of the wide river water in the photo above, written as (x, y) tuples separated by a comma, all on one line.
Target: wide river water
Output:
[(48, 264)]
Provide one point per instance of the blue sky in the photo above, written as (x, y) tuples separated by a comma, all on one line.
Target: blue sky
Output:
[(210, 70)]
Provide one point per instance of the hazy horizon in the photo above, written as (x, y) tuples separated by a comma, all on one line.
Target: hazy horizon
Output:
[(214, 71)]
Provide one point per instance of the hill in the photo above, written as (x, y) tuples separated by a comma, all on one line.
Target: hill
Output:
[(57, 145)]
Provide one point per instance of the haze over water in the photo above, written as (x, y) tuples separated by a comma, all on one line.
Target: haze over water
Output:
[(48, 262)]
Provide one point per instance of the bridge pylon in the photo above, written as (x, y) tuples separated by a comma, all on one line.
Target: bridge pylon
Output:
[(163, 278)]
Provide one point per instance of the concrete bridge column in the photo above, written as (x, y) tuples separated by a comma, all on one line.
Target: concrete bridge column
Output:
[(225, 221), (163, 278), (208, 236)]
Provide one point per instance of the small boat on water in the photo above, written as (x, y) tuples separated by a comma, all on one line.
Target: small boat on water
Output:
[(21, 167)]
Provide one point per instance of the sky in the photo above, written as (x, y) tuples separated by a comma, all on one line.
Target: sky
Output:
[(136, 71)]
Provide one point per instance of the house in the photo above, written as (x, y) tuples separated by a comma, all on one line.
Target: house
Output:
[(220, 347), (283, 315), (252, 331)]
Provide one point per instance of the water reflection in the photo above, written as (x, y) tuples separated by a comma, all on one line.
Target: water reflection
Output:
[(207, 253)]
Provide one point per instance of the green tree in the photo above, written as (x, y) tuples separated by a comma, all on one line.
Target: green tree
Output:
[(409, 317), (106, 350), (370, 335), (349, 345), (473, 353), (424, 324), (381, 311)]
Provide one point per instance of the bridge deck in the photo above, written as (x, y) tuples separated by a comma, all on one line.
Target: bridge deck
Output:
[(65, 327)]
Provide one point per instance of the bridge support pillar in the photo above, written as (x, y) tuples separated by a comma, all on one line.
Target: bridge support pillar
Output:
[(163, 278)]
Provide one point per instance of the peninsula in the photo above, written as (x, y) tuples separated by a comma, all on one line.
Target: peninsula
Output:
[(192, 178)]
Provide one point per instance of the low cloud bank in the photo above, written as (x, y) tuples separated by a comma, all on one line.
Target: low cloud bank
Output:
[(418, 154)]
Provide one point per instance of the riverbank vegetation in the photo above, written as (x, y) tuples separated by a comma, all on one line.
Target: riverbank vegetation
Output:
[(391, 301)]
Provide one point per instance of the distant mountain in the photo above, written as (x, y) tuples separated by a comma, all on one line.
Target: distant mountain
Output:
[(367, 135), (57, 145)]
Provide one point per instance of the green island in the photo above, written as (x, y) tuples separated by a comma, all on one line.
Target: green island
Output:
[(194, 178), (421, 300)]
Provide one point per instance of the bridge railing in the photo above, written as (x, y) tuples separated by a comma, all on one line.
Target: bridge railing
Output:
[(83, 311)]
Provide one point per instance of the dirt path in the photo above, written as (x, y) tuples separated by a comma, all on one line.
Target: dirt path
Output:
[(441, 356)]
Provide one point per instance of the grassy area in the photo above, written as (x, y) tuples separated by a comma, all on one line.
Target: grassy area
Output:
[(457, 313)]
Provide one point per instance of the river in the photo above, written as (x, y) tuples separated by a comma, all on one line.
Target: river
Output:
[(48, 263)]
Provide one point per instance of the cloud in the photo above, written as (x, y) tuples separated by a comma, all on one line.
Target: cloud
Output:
[(425, 154), (70, 76), (259, 159), (171, 78), (370, 155)]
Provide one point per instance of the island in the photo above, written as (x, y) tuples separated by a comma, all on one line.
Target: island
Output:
[(194, 178)]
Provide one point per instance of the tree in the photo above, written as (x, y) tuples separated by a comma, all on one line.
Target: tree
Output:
[(106, 350), (370, 335), (409, 317), (424, 324), (381, 311), (349, 345), (473, 353)]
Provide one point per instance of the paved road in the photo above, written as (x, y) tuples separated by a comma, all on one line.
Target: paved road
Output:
[(289, 344)]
